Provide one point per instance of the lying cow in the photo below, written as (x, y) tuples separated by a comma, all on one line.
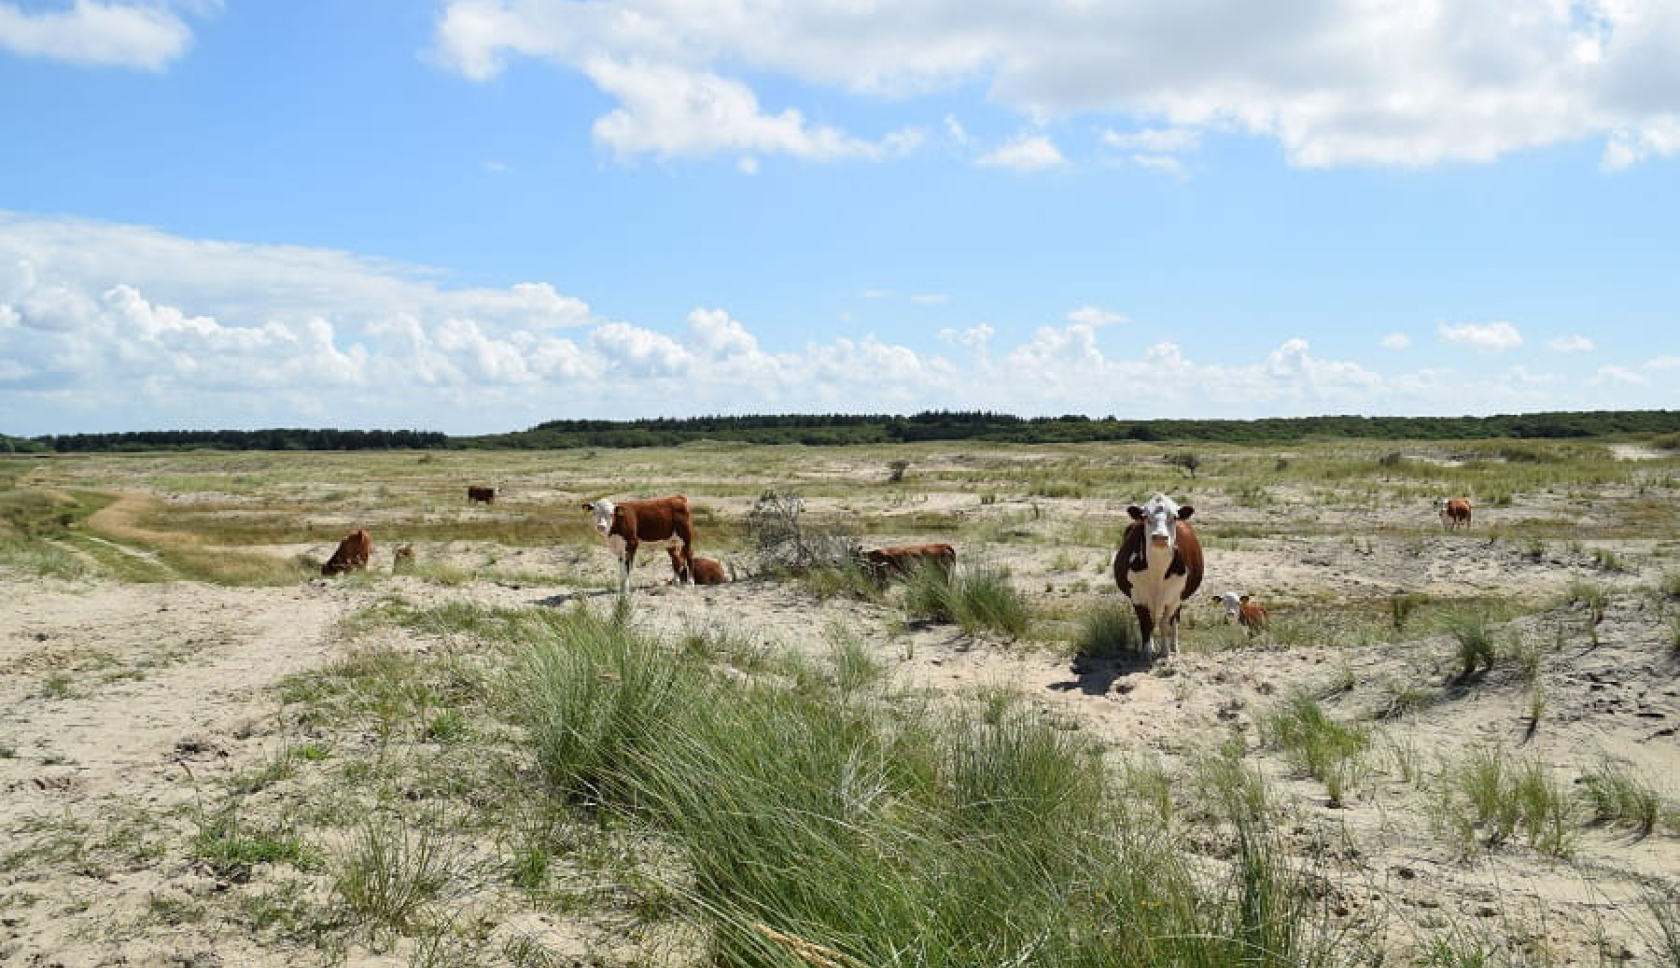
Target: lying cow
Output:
[(707, 571), (900, 560), (1158, 567), (483, 495), (1454, 512), (626, 525), (1244, 611), (353, 552)]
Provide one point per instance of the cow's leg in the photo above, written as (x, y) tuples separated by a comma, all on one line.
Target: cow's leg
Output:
[(685, 552), (625, 565), (1146, 630), (1170, 622)]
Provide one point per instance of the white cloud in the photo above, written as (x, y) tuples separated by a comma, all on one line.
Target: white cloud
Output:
[(1334, 82), (107, 327), (1570, 344), (1619, 375), (1165, 164), (146, 37), (1025, 152), (1483, 337), (1096, 316), (930, 299), (1396, 341), (976, 338), (1159, 141)]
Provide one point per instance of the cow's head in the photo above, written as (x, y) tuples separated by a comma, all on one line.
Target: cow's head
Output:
[(1233, 605), (602, 512), (1160, 519)]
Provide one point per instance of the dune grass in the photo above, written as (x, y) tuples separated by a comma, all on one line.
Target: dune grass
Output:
[(880, 835)]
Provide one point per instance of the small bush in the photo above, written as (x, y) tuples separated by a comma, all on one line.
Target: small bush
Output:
[(1488, 795)]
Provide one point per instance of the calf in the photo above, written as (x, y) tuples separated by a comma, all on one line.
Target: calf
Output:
[(1243, 610), (899, 560), (1158, 567), (706, 570), (1454, 512), (486, 495), (353, 552), (403, 558), (626, 525)]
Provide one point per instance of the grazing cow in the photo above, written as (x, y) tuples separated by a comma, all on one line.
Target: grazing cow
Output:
[(627, 524), (900, 560), (403, 558), (1454, 512), (1158, 567), (484, 494), (707, 571), (1243, 610), (353, 552)]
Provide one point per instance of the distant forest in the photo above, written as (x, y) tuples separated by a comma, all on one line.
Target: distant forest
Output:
[(843, 429)]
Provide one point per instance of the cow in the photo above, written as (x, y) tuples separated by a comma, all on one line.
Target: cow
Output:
[(1158, 567), (403, 558), (353, 552), (707, 571), (900, 560), (486, 495), (627, 524), (1243, 610), (1454, 511)]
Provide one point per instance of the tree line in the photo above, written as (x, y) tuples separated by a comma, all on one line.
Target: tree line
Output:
[(836, 429)]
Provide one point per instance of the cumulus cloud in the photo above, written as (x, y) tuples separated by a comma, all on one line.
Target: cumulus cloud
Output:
[(1396, 341), (1336, 82), (1025, 152), (108, 327), (1483, 337), (1570, 344), (146, 37), (1094, 316), (1620, 375)]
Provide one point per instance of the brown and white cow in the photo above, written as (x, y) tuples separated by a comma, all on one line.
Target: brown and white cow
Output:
[(629, 523), (899, 561), (1158, 567), (1244, 611), (353, 552), (707, 571), (486, 495), (1454, 511)]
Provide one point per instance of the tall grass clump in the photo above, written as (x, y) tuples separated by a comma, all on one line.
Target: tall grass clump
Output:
[(975, 598), (1314, 743), (1490, 797), (1107, 631), (390, 870), (1618, 798), (814, 826), (1473, 633), (591, 696)]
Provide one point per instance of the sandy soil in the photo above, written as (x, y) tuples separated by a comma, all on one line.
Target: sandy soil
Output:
[(119, 702)]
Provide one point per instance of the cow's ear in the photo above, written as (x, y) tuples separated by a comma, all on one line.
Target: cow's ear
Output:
[(589, 507), (1185, 511), (1136, 512)]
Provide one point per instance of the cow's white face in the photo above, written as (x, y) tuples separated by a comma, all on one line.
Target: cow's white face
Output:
[(1160, 521), (1233, 605), (602, 512)]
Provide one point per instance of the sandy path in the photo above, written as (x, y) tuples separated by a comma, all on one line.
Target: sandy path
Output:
[(116, 704)]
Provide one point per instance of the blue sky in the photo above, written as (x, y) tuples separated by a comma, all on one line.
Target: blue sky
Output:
[(476, 215)]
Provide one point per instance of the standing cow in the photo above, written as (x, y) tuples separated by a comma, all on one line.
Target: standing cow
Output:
[(1454, 512), (629, 523), (481, 493), (1158, 567)]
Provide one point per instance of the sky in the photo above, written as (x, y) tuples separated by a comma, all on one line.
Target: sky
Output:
[(472, 216)]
